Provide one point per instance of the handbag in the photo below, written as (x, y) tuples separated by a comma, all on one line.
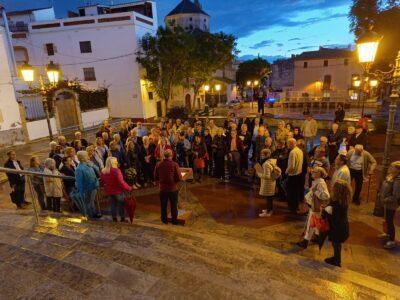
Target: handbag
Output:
[(319, 223), (130, 206)]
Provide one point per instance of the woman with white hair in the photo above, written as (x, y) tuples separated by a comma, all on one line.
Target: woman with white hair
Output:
[(317, 197), (114, 187), (53, 186)]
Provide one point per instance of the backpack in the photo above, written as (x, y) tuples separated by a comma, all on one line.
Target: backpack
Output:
[(276, 172)]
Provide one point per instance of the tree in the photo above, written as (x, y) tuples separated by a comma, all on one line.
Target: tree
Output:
[(384, 18), (208, 53), (254, 69), (165, 59)]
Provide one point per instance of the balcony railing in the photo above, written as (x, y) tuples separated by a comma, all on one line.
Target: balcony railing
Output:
[(18, 27)]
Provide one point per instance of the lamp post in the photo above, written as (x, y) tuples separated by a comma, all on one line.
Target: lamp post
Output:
[(252, 84), (367, 47), (394, 97), (53, 75)]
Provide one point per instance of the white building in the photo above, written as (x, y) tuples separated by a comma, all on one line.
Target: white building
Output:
[(189, 16), (97, 46), (10, 121)]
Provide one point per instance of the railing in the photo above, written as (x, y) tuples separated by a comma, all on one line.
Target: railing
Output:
[(28, 175), (18, 27)]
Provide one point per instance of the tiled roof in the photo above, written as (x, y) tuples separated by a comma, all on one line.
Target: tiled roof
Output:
[(187, 7), (325, 53)]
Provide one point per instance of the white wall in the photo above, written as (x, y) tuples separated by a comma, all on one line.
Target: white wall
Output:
[(9, 110), (38, 129), (117, 40), (44, 14), (94, 117)]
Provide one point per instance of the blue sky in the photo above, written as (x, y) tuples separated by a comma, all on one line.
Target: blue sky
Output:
[(265, 27)]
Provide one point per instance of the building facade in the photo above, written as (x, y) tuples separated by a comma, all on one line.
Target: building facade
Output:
[(282, 75), (325, 71), (189, 16), (95, 46)]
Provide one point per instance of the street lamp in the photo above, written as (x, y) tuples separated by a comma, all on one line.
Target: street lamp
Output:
[(53, 74), (367, 46), (252, 84), (373, 83)]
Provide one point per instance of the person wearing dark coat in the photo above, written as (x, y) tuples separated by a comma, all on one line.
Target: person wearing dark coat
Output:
[(260, 102), (219, 150), (360, 137), (208, 142), (16, 181), (281, 154), (245, 137), (339, 114), (68, 169), (334, 140), (336, 212)]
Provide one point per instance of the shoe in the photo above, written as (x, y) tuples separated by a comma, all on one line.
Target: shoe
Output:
[(264, 214), (97, 216), (390, 245), (264, 210), (303, 244), (26, 202), (383, 236), (138, 185), (115, 220), (134, 187), (269, 214), (332, 261), (124, 220), (357, 202)]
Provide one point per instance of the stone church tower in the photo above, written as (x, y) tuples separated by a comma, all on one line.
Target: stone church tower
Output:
[(188, 15)]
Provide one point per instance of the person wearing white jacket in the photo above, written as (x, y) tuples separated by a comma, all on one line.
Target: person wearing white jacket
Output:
[(270, 173), (317, 196)]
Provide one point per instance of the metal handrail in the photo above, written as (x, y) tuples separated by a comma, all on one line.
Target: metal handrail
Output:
[(30, 173)]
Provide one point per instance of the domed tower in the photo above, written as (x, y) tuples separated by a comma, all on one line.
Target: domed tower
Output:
[(188, 15)]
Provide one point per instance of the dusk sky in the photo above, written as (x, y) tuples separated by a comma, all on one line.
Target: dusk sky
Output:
[(265, 27)]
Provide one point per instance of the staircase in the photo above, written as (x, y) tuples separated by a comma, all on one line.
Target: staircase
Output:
[(69, 258)]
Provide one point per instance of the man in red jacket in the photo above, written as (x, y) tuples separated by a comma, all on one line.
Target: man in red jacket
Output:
[(168, 174)]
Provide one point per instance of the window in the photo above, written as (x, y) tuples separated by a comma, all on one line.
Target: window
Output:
[(325, 63), (191, 19), (89, 74), (151, 97), (50, 49), (305, 65), (327, 82), (346, 61), (86, 47)]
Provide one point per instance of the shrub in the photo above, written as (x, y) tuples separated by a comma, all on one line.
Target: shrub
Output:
[(177, 112)]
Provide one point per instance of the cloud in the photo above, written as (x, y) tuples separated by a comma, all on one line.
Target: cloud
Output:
[(303, 48), (341, 46), (294, 39), (279, 45), (262, 44)]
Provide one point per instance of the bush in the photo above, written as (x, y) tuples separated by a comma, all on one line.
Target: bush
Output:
[(380, 125), (177, 112)]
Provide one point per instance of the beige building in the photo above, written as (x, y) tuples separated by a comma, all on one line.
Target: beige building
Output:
[(325, 72)]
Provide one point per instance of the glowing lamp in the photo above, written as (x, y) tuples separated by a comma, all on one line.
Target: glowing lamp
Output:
[(373, 83), (218, 87), (53, 73), (27, 72), (249, 83), (206, 88), (367, 46), (357, 83), (256, 82)]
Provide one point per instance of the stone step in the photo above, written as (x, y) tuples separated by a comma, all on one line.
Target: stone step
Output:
[(145, 248)]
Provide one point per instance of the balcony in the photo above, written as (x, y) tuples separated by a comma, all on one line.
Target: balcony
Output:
[(18, 27)]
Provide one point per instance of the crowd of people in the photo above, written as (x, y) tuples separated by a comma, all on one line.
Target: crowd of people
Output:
[(285, 162)]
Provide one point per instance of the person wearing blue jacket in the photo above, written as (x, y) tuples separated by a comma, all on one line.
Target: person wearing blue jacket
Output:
[(87, 183)]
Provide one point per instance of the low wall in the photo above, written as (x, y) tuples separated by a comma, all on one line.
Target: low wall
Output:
[(94, 117), (38, 129)]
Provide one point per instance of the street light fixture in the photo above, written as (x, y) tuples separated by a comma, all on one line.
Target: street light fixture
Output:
[(367, 46), (218, 89), (206, 88), (357, 83), (53, 74), (373, 83)]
